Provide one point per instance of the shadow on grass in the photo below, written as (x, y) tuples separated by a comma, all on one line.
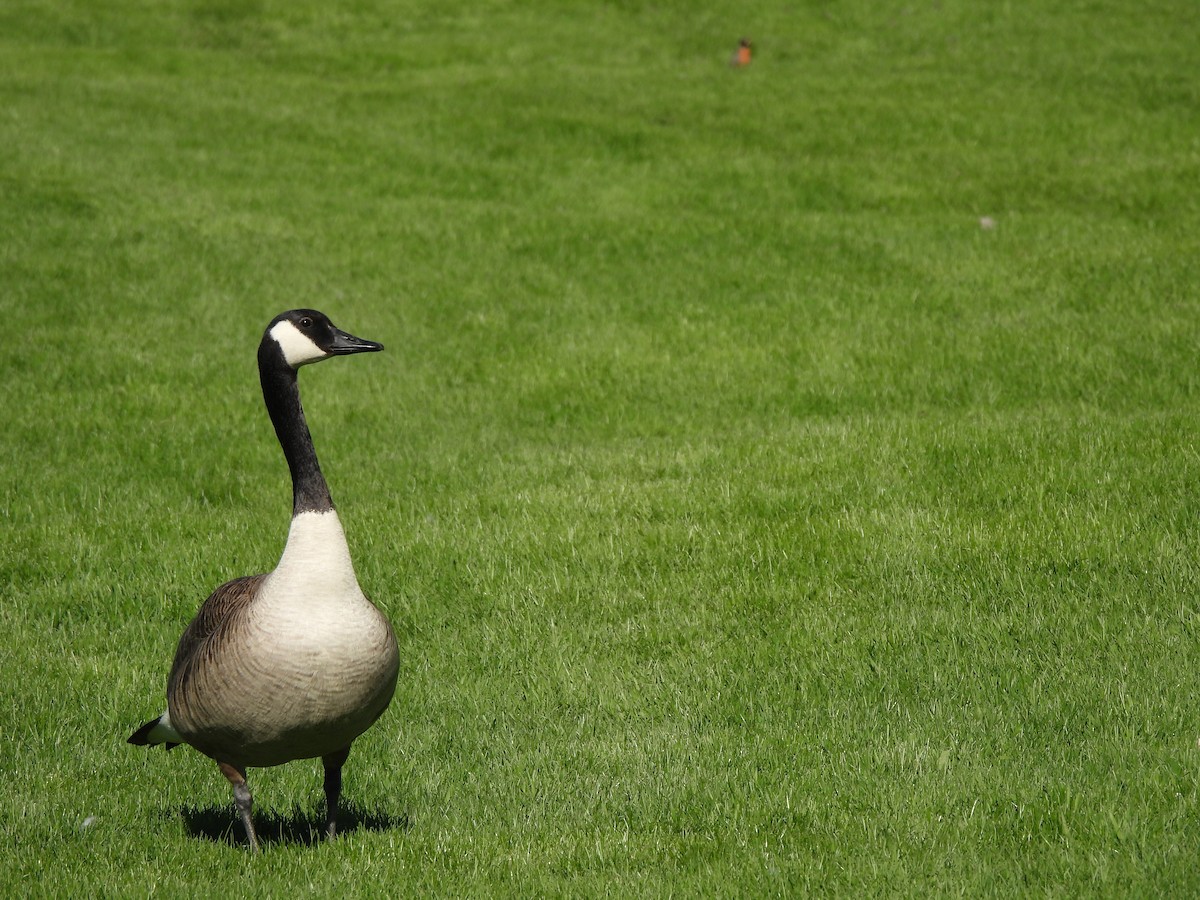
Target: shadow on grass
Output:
[(222, 825)]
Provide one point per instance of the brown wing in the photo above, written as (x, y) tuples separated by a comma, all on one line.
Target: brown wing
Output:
[(222, 606)]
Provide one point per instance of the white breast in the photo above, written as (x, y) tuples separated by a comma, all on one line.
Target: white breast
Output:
[(315, 567), (312, 601)]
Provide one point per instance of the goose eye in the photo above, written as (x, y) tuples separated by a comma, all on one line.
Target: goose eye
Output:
[(306, 322)]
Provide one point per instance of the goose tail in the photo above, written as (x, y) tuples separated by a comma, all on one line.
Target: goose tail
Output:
[(156, 731)]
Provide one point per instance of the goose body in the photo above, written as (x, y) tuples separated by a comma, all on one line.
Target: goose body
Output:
[(298, 662)]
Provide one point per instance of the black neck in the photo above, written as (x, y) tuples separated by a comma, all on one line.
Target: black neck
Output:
[(281, 393)]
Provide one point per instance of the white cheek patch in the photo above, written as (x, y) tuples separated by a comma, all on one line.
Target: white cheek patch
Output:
[(297, 348)]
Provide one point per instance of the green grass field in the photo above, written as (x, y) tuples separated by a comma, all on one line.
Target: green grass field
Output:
[(754, 522)]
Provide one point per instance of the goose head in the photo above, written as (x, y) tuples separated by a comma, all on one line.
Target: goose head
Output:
[(306, 336)]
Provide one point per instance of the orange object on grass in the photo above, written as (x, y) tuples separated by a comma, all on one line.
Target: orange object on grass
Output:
[(742, 56)]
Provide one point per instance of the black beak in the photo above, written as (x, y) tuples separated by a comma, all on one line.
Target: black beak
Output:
[(344, 344)]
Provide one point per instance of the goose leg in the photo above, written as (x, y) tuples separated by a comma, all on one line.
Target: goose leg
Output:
[(241, 799), (333, 789)]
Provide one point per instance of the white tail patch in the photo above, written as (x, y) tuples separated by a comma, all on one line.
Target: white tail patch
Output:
[(163, 732), (298, 349)]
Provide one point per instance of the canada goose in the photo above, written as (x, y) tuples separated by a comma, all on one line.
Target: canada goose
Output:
[(296, 663)]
